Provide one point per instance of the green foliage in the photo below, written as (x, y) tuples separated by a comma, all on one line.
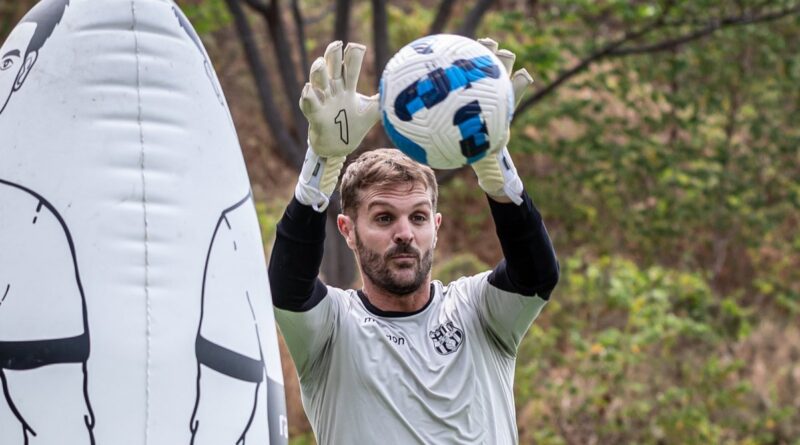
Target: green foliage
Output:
[(686, 158), (669, 182), (6, 25), (461, 265), (638, 355), (269, 213), (305, 439), (686, 163), (409, 22), (463, 206), (206, 16)]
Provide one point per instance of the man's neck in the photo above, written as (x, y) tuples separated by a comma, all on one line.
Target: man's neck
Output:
[(390, 302)]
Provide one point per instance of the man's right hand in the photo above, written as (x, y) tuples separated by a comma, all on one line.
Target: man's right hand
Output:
[(338, 119), (338, 116)]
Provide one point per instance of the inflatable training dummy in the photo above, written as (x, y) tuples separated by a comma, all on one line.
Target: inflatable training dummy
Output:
[(134, 302)]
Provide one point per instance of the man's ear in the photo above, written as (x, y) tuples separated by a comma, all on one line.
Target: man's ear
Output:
[(437, 219), (347, 229), (27, 64)]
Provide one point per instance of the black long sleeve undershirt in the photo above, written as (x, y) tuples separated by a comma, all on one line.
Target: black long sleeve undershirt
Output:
[(296, 258), (529, 267)]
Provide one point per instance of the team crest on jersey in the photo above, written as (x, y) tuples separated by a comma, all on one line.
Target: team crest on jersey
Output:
[(447, 338)]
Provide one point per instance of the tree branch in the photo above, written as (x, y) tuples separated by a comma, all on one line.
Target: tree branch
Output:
[(701, 22), (583, 64), (615, 48), (709, 29), (285, 144)]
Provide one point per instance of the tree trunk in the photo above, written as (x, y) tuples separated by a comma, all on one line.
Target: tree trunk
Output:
[(338, 264), (380, 32), (443, 14), (474, 18), (341, 29), (286, 67), (380, 43), (300, 28), (283, 140)]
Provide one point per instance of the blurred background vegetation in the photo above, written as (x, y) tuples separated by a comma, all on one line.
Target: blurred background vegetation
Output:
[(660, 143)]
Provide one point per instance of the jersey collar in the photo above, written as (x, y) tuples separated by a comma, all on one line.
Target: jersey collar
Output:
[(374, 310)]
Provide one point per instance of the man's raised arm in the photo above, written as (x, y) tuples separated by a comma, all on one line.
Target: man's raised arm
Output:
[(338, 119), (529, 266)]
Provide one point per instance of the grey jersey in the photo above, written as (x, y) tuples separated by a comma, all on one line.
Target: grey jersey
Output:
[(443, 375)]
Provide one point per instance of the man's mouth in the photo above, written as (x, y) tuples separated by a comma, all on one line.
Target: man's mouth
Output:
[(405, 256), (404, 261)]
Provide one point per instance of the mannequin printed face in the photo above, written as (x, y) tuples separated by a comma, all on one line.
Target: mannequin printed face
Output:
[(15, 61), (21, 50)]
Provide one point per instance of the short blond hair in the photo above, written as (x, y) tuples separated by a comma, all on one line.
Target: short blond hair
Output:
[(384, 167)]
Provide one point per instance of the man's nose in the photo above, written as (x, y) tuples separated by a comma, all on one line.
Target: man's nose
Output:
[(403, 233)]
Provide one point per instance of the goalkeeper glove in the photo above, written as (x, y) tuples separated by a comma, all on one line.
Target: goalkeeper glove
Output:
[(338, 119), (496, 173)]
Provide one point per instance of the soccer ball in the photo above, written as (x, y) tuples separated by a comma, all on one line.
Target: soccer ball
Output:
[(446, 100)]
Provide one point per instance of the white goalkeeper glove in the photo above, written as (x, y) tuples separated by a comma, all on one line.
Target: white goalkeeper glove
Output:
[(338, 119), (496, 173)]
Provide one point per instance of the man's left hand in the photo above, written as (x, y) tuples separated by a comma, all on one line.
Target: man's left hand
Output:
[(496, 173)]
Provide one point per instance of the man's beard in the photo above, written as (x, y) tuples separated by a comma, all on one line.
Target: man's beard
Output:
[(376, 268)]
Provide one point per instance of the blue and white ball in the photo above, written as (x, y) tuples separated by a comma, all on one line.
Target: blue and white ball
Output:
[(446, 100)]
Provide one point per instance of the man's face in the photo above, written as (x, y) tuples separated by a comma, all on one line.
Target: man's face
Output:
[(394, 235), (13, 64)]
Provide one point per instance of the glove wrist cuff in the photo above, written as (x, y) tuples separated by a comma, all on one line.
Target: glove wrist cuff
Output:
[(318, 179), (498, 177)]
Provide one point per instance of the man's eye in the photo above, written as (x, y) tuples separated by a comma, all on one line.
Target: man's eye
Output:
[(6, 64), (419, 218), (383, 218)]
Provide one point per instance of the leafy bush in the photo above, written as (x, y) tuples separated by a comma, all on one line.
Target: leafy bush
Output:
[(629, 355)]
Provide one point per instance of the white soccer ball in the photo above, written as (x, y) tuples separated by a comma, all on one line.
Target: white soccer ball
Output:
[(446, 100)]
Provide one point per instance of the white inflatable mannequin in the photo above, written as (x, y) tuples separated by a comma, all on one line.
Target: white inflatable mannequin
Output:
[(134, 304), (43, 360)]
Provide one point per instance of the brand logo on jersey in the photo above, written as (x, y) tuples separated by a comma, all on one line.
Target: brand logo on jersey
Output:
[(447, 338)]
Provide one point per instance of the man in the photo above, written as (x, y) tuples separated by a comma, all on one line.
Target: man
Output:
[(21, 49), (404, 359)]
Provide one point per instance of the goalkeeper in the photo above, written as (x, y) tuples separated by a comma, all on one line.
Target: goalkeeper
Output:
[(404, 359)]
